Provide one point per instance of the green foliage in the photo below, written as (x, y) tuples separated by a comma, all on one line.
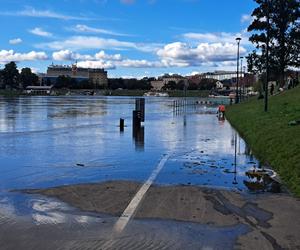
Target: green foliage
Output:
[(11, 75), (28, 78), (283, 30), (130, 84), (269, 135)]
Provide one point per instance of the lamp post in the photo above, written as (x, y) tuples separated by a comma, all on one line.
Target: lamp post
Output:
[(267, 56), (241, 78), (238, 39), (245, 81)]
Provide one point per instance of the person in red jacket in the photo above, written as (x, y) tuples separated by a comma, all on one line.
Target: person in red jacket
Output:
[(221, 111)]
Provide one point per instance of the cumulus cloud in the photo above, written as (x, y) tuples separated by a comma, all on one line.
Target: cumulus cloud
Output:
[(40, 32), (68, 55), (15, 41), (11, 55), (96, 64), (103, 60), (180, 54)]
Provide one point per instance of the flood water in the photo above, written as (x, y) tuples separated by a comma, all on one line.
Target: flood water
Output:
[(51, 141), (54, 141)]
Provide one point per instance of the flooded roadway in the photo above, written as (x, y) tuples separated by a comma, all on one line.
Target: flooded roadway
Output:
[(48, 142)]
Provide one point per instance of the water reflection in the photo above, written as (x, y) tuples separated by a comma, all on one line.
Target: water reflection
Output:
[(50, 135), (138, 135)]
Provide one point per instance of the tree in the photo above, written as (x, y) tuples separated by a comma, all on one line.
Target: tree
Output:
[(282, 31), (63, 82), (171, 85), (11, 75), (1, 79), (28, 78)]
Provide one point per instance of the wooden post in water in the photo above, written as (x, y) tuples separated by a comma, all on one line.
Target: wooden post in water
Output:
[(121, 125)]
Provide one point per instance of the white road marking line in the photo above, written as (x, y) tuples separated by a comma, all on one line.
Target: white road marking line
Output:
[(131, 208)]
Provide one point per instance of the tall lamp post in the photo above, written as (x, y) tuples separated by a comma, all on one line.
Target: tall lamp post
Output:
[(238, 39), (267, 57), (241, 83)]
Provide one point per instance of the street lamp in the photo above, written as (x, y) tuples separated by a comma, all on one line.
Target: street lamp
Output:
[(267, 57), (238, 39), (241, 77)]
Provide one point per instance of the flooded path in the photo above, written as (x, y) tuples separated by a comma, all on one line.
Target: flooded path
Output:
[(68, 174)]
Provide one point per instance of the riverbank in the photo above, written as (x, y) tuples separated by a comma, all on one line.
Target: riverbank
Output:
[(271, 136), (171, 93), (121, 92), (10, 93)]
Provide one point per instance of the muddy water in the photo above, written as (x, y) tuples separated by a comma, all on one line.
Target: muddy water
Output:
[(53, 141)]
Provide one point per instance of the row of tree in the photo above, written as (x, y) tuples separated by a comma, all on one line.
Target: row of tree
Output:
[(203, 84), (275, 31), (13, 79)]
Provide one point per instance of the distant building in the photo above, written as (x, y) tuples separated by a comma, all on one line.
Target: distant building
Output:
[(39, 90), (97, 76), (222, 75), (173, 78), (157, 85)]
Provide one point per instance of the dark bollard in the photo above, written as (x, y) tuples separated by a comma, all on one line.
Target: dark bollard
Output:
[(121, 124), (140, 106), (136, 119)]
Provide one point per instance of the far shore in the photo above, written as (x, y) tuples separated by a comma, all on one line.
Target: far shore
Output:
[(107, 92)]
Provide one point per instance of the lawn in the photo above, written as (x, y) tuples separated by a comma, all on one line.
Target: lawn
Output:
[(272, 139)]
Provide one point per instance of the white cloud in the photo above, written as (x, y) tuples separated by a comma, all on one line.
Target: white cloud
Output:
[(15, 41), (93, 42), (10, 55), (68, 55), (246, 18), (222, 37), (87, 29), (96, 64), (101, 59), (40, 32), (32, 12), (103, 55), (129, 63), (180, 54)]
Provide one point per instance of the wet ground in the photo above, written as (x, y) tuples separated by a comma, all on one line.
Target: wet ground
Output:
[(49, 142)]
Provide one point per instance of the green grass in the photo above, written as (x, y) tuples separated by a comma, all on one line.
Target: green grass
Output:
[(272, 139)]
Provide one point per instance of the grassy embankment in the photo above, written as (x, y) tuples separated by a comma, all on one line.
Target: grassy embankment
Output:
[(270, 136)]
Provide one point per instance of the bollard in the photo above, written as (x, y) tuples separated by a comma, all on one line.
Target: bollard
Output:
[(121, 124), (136, 119)]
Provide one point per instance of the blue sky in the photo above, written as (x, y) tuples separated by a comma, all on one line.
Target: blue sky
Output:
[(128, 37)]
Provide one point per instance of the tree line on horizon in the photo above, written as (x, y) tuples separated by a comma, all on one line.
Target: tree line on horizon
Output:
[(11, 78)]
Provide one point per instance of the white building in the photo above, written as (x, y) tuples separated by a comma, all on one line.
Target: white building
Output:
[(223, 75)]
